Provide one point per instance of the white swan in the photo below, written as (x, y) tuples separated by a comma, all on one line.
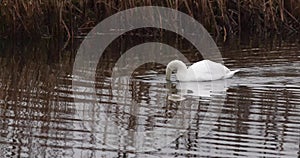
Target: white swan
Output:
[(204, 70)]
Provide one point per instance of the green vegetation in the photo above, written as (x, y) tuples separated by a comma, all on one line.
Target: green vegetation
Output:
[(71, 18)]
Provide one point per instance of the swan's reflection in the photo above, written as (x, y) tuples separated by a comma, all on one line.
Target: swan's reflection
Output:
[(141, 117), (198, 89), (214, 92)]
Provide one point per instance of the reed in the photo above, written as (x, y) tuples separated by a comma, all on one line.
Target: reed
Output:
[(72, 18)]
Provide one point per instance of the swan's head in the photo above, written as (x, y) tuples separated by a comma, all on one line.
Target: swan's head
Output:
[(175, 65)]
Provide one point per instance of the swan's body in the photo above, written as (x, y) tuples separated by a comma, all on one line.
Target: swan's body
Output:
[(204, 70)]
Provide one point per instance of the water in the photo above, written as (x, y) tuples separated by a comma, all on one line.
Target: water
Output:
[(256, 113)]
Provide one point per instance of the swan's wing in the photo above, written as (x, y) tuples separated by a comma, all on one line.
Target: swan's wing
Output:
[(208, 70)]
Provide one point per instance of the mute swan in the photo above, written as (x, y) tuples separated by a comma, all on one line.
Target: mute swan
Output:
[(204, 70)]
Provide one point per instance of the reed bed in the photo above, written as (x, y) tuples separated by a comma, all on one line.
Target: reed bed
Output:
[(72, 18)]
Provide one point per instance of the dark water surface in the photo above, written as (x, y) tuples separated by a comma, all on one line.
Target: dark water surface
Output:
[(255, 114)]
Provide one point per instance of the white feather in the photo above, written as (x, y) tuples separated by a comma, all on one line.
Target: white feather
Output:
[(204, 70)]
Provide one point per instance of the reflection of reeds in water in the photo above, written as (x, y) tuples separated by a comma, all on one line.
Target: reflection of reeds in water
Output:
[(29, 93), (29, 99), (71, 18)]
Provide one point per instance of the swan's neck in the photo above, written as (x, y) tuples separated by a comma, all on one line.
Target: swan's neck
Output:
[(178, 66)]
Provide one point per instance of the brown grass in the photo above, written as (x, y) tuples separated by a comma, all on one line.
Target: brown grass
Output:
[(71, 18)]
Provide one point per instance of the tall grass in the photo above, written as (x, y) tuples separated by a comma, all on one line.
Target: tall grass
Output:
[(71, 18)]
